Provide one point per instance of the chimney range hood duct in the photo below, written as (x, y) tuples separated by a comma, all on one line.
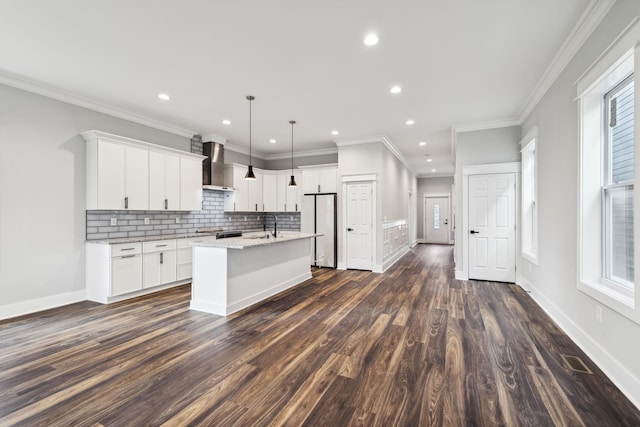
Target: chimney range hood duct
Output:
[(213, 165)]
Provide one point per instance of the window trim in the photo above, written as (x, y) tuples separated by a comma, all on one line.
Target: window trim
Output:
[(616, 63), (529, 250)]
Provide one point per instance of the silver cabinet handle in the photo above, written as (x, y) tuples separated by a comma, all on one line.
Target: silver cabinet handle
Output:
[(161, 246), (126, 202), (127, 249), (234, 206), (256, 207), (318, 188), (127, 256), (296, 207), (161, 258), (166, 203)]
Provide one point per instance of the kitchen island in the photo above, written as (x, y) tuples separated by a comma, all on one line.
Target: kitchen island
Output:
[(234, 273)]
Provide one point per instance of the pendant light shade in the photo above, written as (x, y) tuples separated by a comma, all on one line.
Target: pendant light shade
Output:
[(250, 175), (292, 183)]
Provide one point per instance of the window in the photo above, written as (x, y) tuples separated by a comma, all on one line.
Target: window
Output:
[(617, 191), (529, 211), (606, 233), (436, 217)]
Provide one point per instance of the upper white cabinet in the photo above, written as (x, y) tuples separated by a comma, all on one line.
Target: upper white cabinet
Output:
[(320, 179), (164, 181), (124, 173), (272, 199), (190, 184), (247, 196)]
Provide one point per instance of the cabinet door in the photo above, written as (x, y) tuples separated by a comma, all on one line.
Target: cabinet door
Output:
[(172, 184), (241, 195), (311, 180), (137, 178), (283, 181), (270, 192), (190, 184), (183, 263), (126, 274), (156, 181), (168, 267), (152, 271), (111, 175), (255, 192), (328, 180), (293, 193)]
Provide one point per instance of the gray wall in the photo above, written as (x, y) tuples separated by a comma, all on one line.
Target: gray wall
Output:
[(436, 185), (477, 148), (302, 161), (42, 191), (614, 343)]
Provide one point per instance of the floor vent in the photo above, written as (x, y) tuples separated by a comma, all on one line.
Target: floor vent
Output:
[(576, 364)]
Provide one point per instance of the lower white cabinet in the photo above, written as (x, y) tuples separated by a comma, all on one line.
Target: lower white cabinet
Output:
[(119, 271), (159, 262)]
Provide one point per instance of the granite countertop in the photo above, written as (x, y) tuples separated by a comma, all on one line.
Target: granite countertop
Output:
[(254, 239), (150, 238)]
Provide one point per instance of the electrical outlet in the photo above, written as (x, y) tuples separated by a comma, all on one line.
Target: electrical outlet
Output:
[(114, 221), (177, 220), (245, 218), (291, 218), (599, 314), (146, 221)]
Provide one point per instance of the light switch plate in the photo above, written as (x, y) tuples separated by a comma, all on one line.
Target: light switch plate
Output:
[(146, 221), (114, 221)]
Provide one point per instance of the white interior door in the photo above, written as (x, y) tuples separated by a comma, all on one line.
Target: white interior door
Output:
[(436, 219), (492, 233), (359, 226)]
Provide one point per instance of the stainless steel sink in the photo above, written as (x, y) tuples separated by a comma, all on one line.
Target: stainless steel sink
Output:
[(265, 236)]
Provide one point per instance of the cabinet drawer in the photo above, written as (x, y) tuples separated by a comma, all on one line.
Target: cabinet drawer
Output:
[(125, 249), (186, 243), (158, 246)]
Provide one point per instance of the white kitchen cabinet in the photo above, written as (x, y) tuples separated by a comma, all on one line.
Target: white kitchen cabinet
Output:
[(271, 192), (282, 191), (159, 263), (247, 196), (184, 254), (255, 192), (190, 184), (124, 173), (320, 179), (164, 181), (126, 274), (117, 176), (294, 194)]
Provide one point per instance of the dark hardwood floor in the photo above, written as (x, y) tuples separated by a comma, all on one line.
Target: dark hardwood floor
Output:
[(411, 347)]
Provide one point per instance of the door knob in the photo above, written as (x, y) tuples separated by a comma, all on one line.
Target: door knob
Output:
[(349, 229), (446, 222), (474, 232)]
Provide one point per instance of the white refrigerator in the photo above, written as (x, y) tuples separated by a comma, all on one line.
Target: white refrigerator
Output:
[(319, 216)]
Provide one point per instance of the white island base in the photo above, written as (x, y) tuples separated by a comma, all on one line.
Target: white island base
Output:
[(228, 278)]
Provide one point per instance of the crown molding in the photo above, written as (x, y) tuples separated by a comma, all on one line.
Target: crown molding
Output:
[(298, 154), (60, 95), (588, 22), (492, 124), (436, 175), (212, 137), (377, 138), (242, 150)]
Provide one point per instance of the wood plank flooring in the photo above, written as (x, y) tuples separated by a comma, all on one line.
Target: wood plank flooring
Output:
[(411, 347)]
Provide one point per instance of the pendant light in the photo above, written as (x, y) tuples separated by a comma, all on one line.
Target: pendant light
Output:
[(250, 175), (292, 183)]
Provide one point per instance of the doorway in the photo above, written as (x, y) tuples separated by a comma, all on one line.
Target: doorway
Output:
[(436, 219)]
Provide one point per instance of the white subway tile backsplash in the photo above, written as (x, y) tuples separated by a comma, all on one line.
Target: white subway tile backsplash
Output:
[(131, 224)]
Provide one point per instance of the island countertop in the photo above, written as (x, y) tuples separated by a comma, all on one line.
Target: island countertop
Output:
[(253, 239)]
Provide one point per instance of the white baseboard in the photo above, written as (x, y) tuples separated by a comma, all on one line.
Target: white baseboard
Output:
[(421, 241), (628, 384), (461, 275), (381, 268), (342, 265), (40, 304)]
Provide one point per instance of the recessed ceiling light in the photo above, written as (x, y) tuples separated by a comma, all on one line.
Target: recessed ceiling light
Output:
[(371, 39), (395, 89), (422, 143), (410, 122), (273, 141), (164, 96), (429, 160), (334, 132), (433, 170), (226, 122)]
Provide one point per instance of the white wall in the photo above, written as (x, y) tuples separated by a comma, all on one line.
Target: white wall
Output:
[(614, 344), (478, 148), (436, 185), (42, 195)]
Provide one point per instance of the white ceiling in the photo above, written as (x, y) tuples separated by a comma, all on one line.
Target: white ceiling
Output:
[(458, 61)]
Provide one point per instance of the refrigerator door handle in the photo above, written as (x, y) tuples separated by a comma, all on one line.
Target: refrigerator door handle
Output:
[(349, 229)]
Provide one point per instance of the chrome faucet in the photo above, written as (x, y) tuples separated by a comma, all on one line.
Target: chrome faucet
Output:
[(275, 224)]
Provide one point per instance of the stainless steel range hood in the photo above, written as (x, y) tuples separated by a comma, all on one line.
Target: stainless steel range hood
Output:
[(213, 165)]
